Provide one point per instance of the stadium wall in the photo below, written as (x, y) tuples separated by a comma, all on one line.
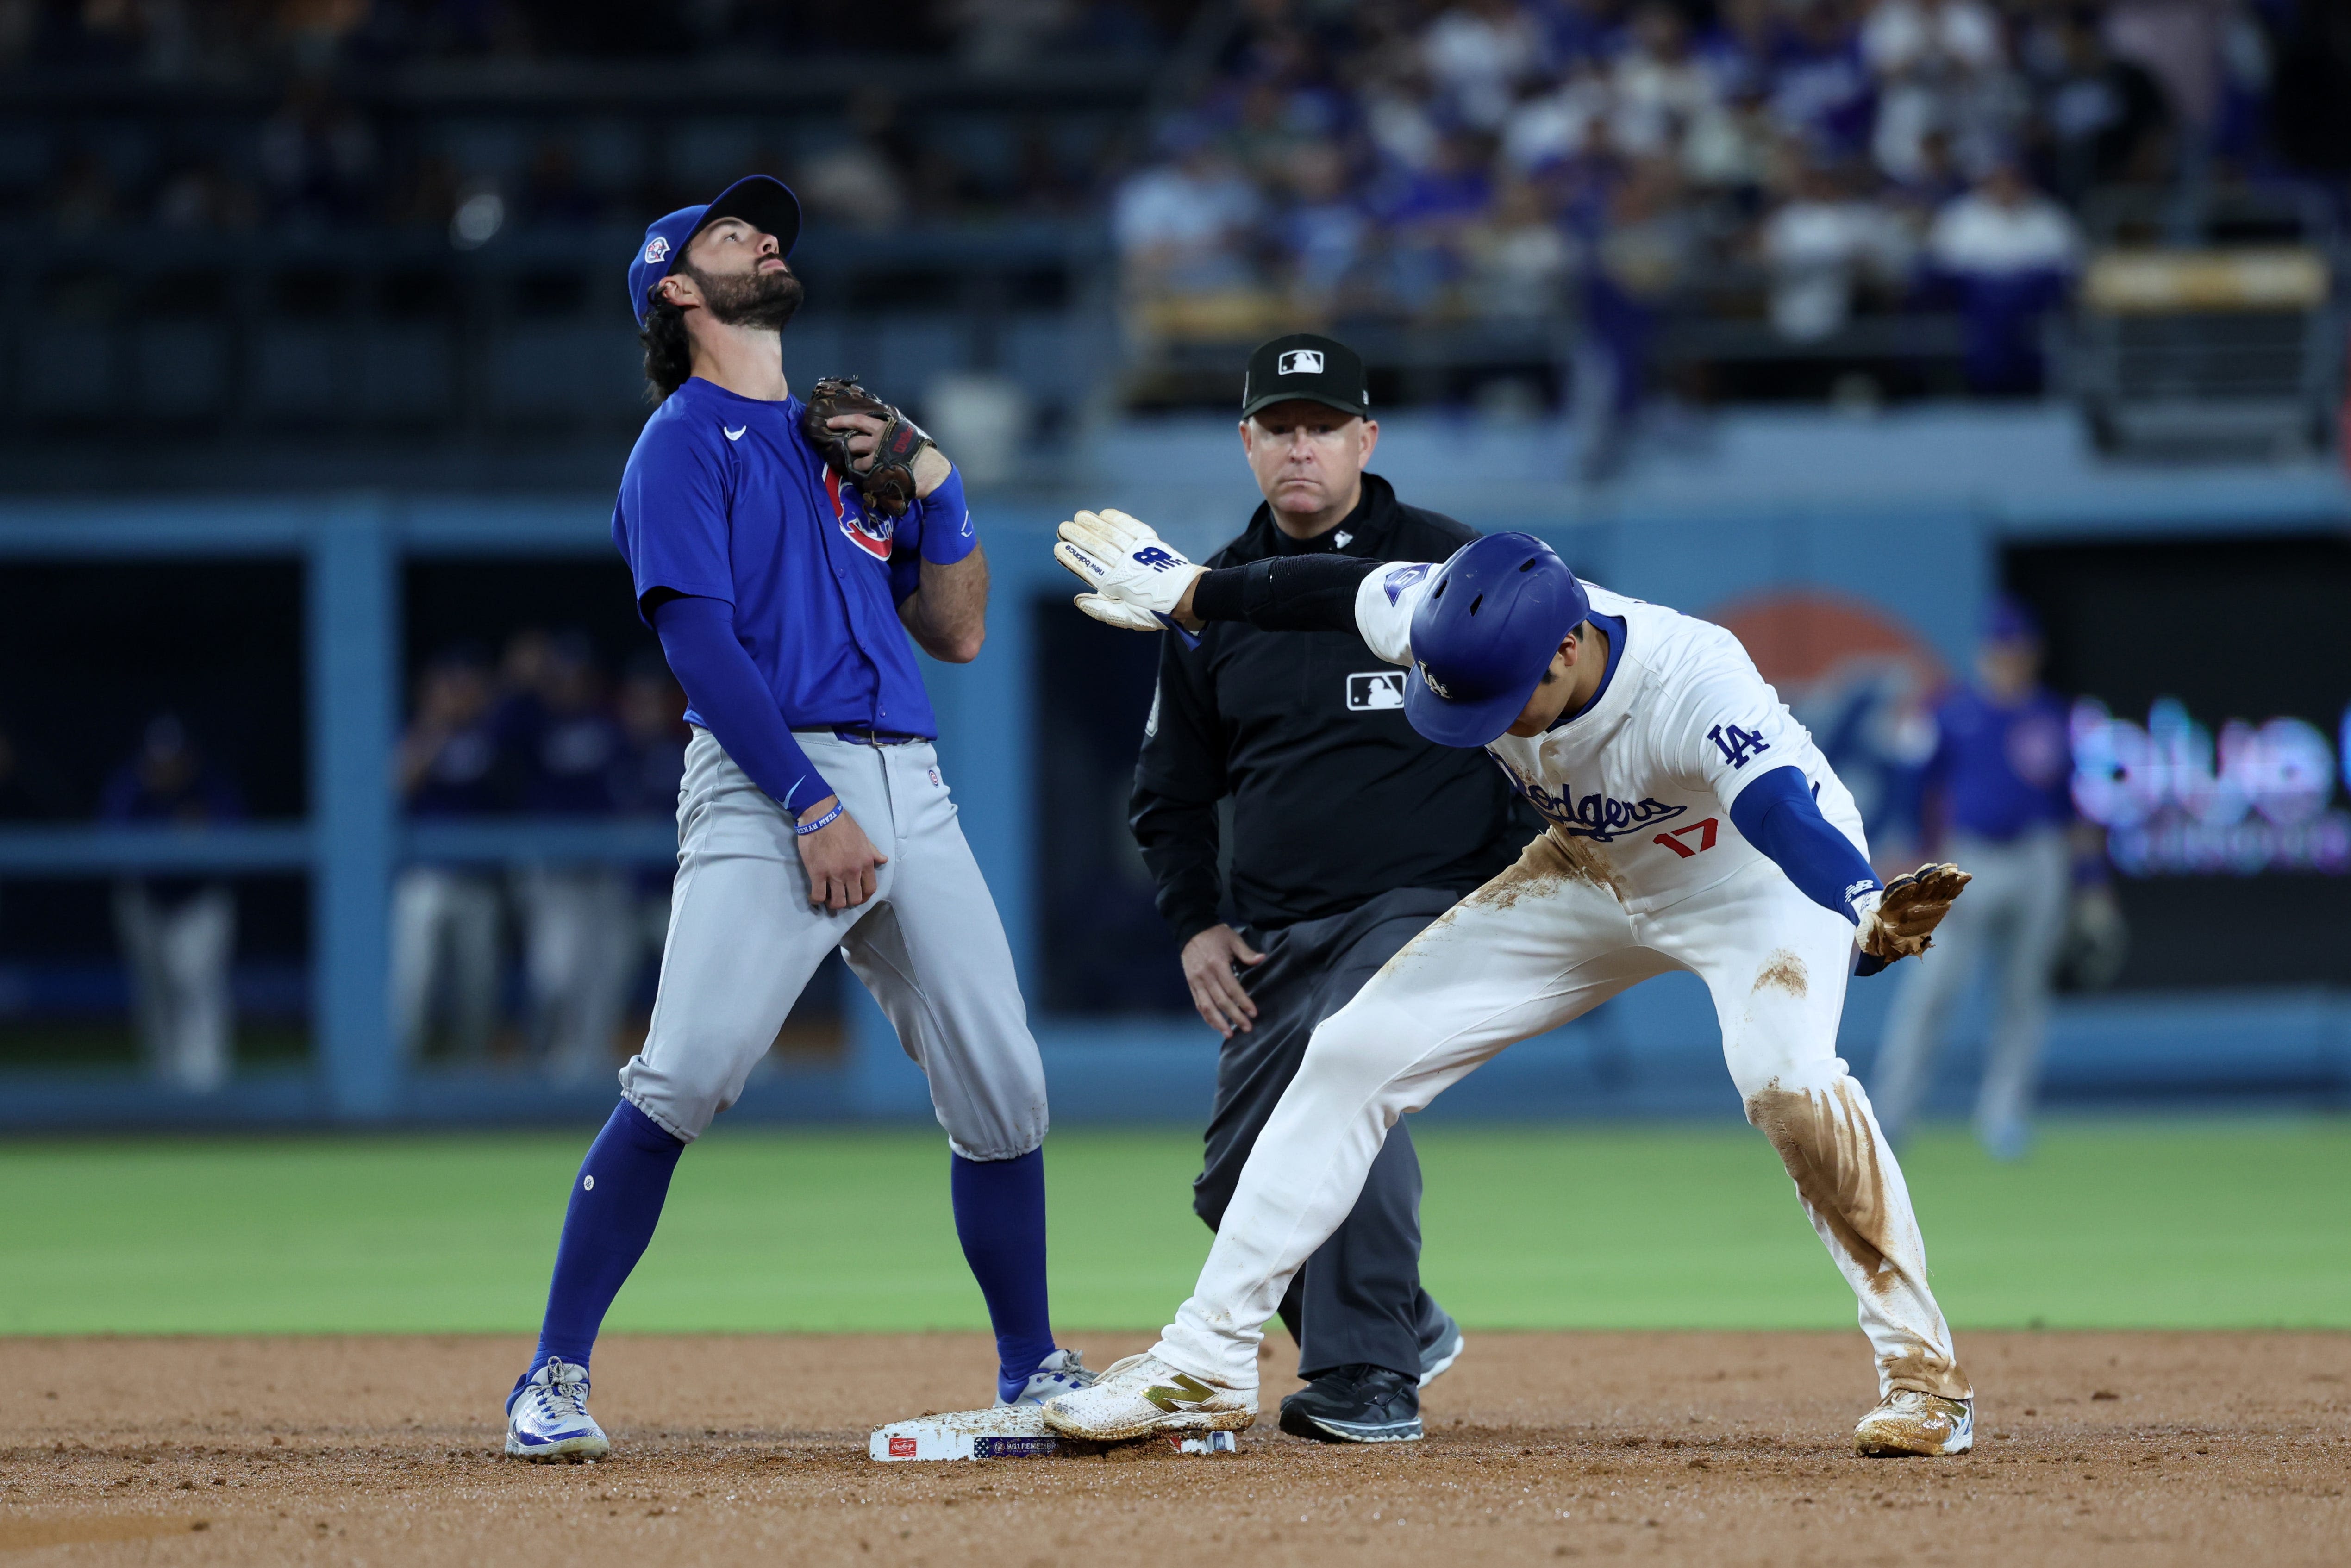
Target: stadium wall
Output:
[(1905, 513)]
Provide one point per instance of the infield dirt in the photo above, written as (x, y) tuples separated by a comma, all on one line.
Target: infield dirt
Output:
[(1721, 1448)]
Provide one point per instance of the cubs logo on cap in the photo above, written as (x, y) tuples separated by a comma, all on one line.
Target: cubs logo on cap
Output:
[(1300, 362), (760, 200)]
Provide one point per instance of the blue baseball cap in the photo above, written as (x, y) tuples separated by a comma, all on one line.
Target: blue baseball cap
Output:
[(764, 201), (2010, 620), (1485, 633)]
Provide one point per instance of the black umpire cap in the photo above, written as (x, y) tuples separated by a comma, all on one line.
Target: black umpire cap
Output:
[(1305, 365)]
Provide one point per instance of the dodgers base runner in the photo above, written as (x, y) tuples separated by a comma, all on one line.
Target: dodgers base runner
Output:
[(812, 815), (1693, 825)]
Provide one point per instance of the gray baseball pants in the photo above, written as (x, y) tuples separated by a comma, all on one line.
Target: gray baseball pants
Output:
[(1358, 1298), (2012, 919), (744, 939)]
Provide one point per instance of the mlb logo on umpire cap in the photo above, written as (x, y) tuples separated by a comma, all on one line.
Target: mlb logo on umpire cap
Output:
[(1307, 367)]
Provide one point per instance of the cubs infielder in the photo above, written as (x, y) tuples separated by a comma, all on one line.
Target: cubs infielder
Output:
[(783, 554), (1694, 825)]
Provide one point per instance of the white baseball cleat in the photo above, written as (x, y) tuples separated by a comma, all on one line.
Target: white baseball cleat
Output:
[(1908, 1422), (1143, 1395), (1059, 1372), (548, 1419)]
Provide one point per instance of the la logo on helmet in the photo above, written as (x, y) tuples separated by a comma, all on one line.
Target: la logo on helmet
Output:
[(1300, 362), (659, 250)]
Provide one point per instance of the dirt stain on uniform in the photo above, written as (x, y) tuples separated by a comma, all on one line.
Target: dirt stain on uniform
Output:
[(1826, 1140), (1549, 863), (1784, 970)]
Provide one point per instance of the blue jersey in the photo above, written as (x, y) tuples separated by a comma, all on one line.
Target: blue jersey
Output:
[(461, 780), (2001, 771), (724, 499)]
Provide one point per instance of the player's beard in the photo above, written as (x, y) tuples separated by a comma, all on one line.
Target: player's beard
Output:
[(767, 300)]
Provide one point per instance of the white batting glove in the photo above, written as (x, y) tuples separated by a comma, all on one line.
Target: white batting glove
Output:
[(1134, 579)]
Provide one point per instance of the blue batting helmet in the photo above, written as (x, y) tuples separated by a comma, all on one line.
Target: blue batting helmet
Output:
[(1485, 633)]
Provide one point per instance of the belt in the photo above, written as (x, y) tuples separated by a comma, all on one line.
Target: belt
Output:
[(877, 737)]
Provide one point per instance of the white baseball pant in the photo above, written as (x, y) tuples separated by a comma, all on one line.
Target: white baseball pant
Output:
[(1541, 944), (180, 954)]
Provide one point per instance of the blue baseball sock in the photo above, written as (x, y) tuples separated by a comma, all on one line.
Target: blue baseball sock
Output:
[(615, 1202), (999, 1215)]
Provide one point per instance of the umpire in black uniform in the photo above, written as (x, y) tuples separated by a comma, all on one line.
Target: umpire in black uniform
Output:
[(1350, 835)]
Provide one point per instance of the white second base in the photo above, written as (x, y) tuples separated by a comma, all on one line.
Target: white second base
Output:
[(1005, 1432)]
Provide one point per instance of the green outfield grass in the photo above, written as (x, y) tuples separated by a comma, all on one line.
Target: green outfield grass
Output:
[(2106, 1225)]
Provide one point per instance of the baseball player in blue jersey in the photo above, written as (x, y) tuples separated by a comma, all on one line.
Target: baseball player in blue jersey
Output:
[(813, 814), (1997, 787)]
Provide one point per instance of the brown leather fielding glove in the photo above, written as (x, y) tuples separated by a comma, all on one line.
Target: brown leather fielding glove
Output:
[(1902, 922), (886, 479)]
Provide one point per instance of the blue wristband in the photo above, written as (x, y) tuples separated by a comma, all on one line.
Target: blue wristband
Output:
[(804, 828), (947, 533)]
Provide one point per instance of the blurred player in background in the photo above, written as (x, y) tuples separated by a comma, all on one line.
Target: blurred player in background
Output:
[(578, 925), (179, 932), (654, 736), (445, 918), (1998, 798), (1323, 903), (785, 581)]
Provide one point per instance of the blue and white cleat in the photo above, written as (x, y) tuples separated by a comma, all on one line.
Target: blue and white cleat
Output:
[(1058, 1373), (548, 1420), (1908, 1423)]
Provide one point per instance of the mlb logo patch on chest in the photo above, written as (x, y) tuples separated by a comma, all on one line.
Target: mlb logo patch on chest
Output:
[(1375, 691)]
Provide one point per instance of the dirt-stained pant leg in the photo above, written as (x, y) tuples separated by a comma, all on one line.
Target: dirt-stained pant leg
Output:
[(1540, 945), (1776, 964)]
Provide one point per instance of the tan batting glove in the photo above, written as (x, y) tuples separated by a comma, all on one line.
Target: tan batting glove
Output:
[(1900, 922), (1134, 579)]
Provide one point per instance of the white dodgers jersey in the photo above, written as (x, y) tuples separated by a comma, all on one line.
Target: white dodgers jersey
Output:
[(1640, 784)]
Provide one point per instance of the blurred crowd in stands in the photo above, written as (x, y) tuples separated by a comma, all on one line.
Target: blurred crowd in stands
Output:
[(1791, 161), (236, 40), (543, 732), (344, 150)]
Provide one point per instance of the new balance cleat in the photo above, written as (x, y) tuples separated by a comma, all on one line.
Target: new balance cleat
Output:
[(1143, 1395), (1058, 1373), (548, 1419), (1359, 1404), (1908, 1422)]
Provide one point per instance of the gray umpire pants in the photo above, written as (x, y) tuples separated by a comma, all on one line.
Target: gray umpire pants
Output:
[(1359, 1297), (744, 939), (2010, 921)]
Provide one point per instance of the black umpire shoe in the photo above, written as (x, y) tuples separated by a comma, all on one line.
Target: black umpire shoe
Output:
[(1355, 1404)]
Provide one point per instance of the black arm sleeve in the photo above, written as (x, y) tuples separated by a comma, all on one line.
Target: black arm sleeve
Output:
[(1180, 777), (1286, 593)]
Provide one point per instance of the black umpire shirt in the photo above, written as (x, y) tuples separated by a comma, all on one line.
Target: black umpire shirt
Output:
[(1336, 798)]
